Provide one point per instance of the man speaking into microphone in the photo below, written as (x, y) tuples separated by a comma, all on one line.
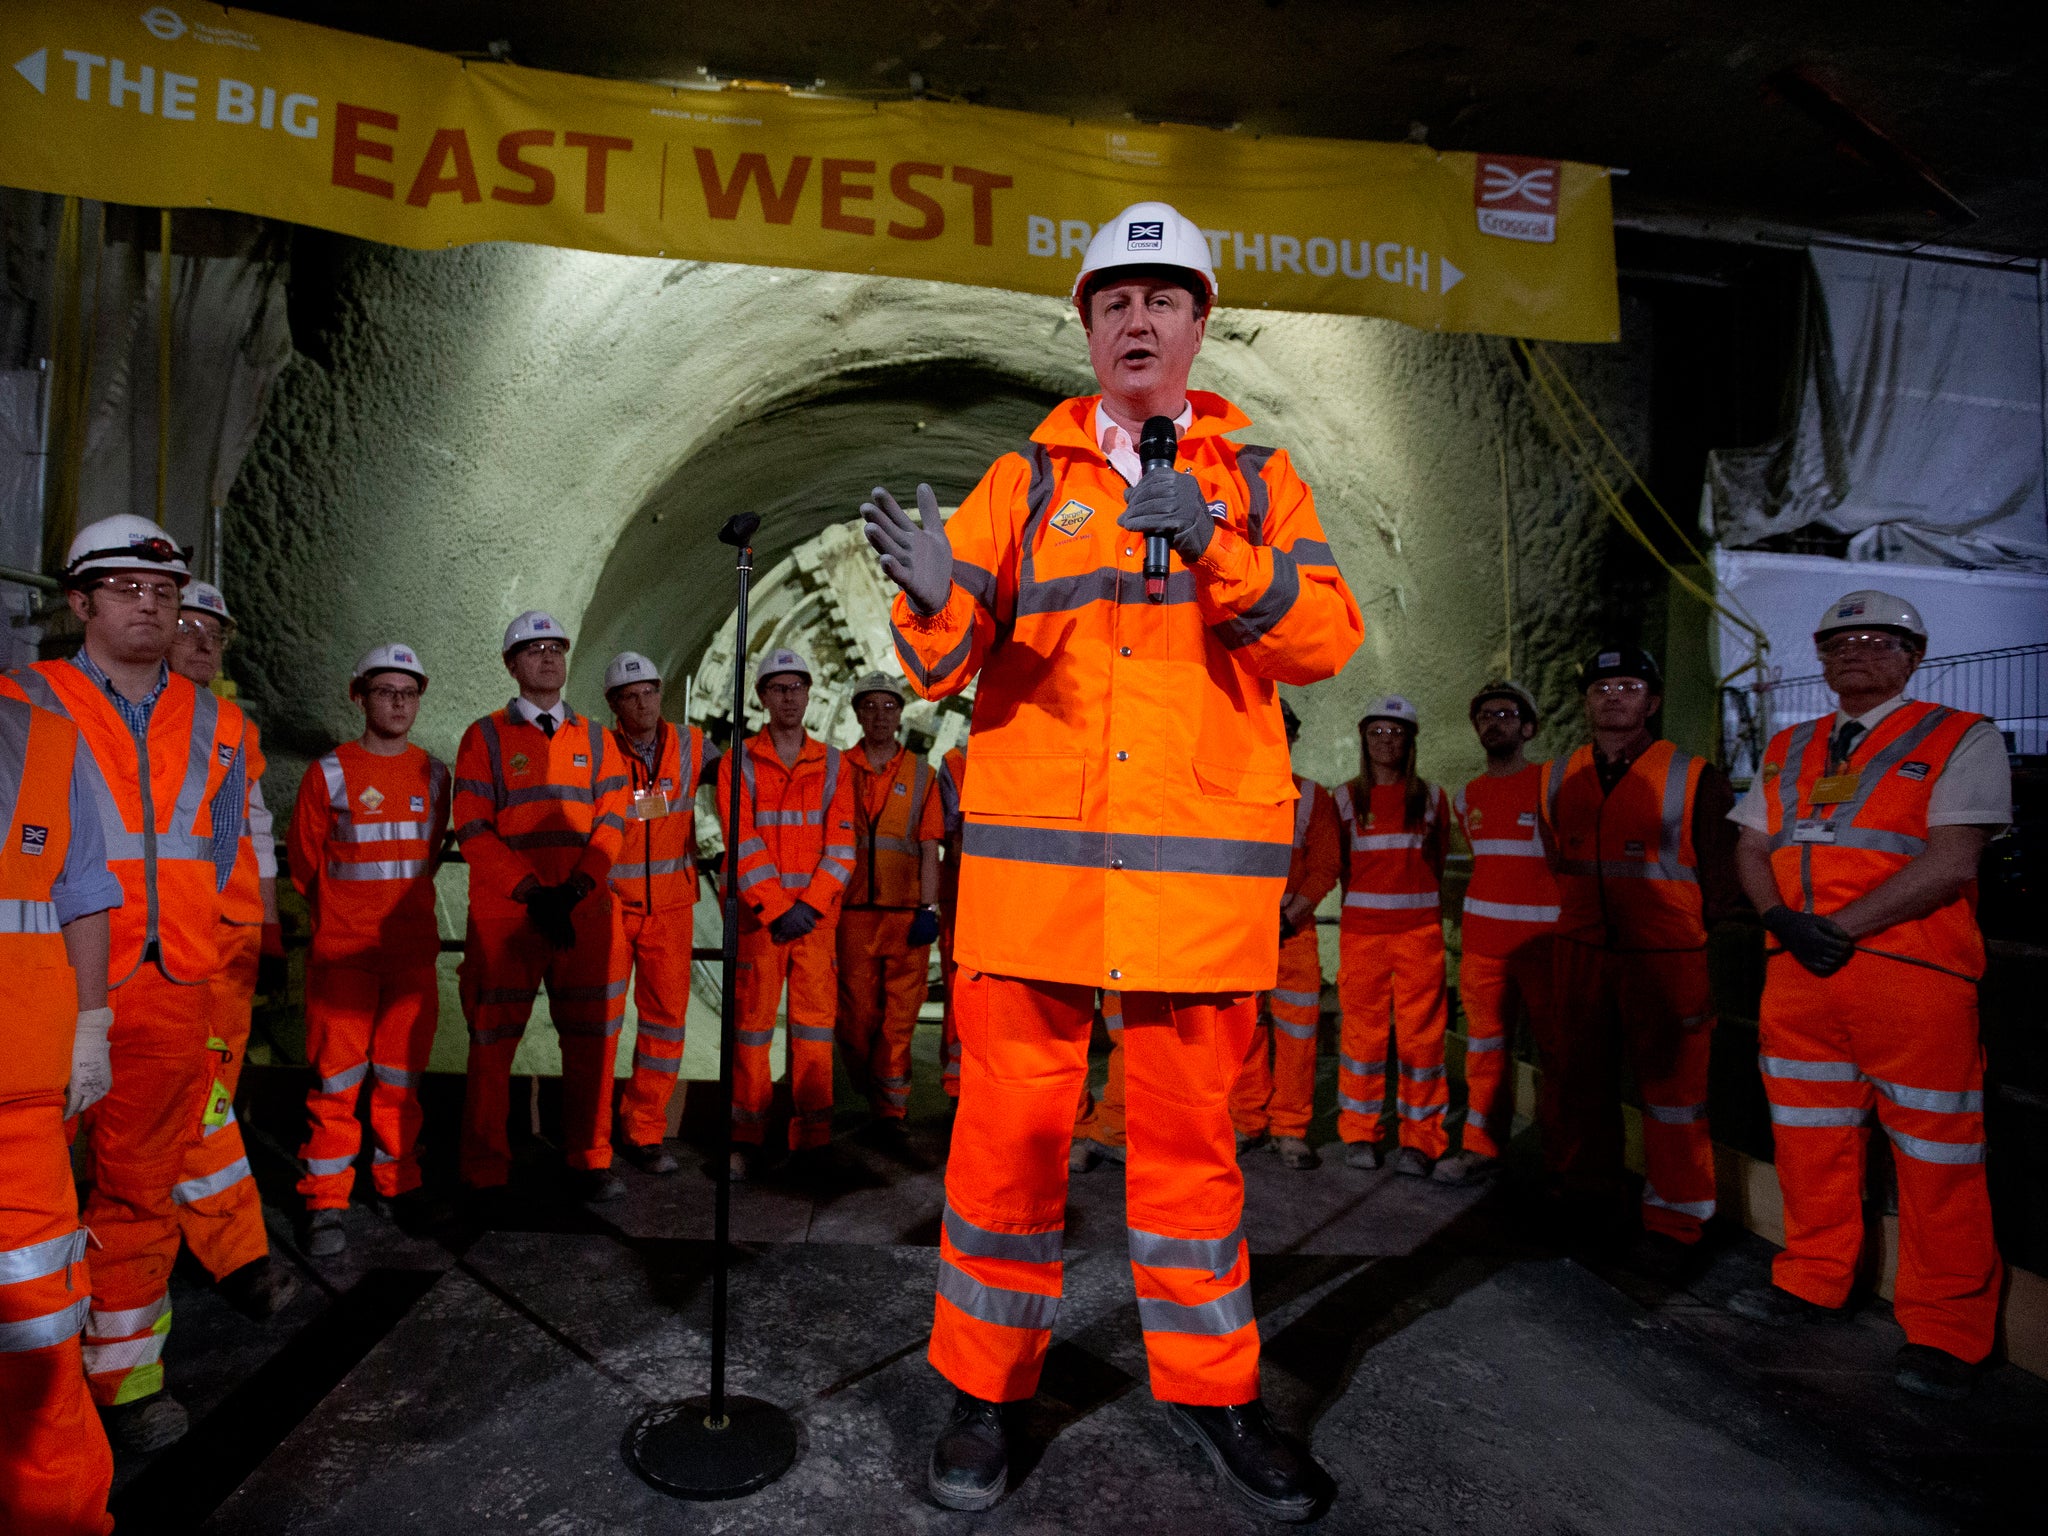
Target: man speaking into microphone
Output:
[(1129, 814)]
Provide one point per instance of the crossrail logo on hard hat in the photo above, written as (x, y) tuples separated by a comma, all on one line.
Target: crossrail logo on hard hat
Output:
[(1145, 235), (1516, 197)]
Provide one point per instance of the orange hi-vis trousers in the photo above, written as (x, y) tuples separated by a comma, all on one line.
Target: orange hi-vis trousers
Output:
[(882, 984), (136, 1141), (1488, 988), (1655, 1006), (1101, 1120), (1392, 984), (220, 1214), (1902, 1042), (1276, 1089), (55, 1465), (1024, 1059), (809, 968), (375, 1025), (654, 947), (502, 972)]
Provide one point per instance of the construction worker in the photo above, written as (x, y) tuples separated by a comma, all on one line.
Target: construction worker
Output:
[(1638, 837), (173, 831), (55, 896), (890, 915), (366, 837), (952, 775), (1128, 816), (654, 897), (1276, 1089), (1860, 842), (1510, 914), (795, 848), (220, 1214), (540, 814), (1390, 968)]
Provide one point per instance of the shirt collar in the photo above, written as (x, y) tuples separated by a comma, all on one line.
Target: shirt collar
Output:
[(1121, 449), (84, 662), (524, 709), (1870, 719)]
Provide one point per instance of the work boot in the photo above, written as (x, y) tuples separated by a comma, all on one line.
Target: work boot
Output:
[(147, 1424), (1246, 1140), (321, 1234), (1776, 1307), (1661, 1257), (1408, 1161), (1261, 1468), (1361, 1154), (1465, 1168), (419, 1212), (1930, 1372), (1296, 1153), (594, 1186), (970, 1467), (652, 1158), (259, 1290), (738, 1164)]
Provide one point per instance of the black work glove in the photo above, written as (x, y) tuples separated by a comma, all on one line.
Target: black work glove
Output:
[(799, 920), (924, 928), (1170, 502), (1818, 943), (548, 908)]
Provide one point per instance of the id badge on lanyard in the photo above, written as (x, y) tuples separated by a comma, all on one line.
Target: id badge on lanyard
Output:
[(1813, 829), (650, 805)]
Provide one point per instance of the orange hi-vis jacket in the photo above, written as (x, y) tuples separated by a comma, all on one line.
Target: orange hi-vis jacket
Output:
[(1826, 856), (526, 804), (1392, 871), (1513, 895), (157, 814), (242, 902), (1129, 810), (37, 750), (657, 867), (1627, 873), (1317, 864), (895, 812), (366, 834), (795, 837)]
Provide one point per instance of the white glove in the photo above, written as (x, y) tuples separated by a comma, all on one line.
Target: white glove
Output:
[(92, 1067)]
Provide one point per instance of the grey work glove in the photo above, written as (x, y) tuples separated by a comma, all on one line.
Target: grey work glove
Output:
[(92, 1067), (1820, 944), (919, 560), (1170, 502), (799, 920)]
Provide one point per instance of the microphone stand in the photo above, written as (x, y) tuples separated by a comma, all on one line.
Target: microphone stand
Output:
[(718, 1446)]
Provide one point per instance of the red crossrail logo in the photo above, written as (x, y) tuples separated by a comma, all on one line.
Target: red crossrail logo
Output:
[(1516, 197)]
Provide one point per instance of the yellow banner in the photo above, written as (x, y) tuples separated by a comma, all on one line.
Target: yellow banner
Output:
[(201, 106)]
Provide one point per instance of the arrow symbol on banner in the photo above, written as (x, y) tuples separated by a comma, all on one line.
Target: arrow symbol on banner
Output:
[(35, 69), (1448, 276)]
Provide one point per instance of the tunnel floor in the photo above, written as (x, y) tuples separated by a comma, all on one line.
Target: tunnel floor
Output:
[(1454, 1368)]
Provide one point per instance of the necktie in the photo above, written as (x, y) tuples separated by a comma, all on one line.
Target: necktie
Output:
[(1844, 743), (546, 724)]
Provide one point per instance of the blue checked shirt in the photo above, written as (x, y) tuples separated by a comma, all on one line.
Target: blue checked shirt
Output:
[(229, 806)]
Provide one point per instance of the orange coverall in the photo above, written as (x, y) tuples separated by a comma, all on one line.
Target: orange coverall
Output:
[(1128, 820), (1894, 1032), (794, 843), (882, 977), (654, 900), (531, 806), (952, 774), (366, 835)]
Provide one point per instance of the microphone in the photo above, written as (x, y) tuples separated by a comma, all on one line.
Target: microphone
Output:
[(1157, 445)]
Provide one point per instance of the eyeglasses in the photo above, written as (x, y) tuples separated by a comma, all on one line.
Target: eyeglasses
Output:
[(1619, 687), (1507, 713), (127, 590), (1386, 732), (394, 695), (544, 648), (787, 689), (1856, 642), (211, 635)]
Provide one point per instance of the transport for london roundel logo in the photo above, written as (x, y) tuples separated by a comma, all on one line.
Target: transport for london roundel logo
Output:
[(165, 24)]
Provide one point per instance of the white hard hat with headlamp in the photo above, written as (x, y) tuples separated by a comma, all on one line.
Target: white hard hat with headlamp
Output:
[(781, 659), (123, 543), (1394, 707), (532, 625), (1871, 609), (627, 668), (390, 658), (1146, 235)]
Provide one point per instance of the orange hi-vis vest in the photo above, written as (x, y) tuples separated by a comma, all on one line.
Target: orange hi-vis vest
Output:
[(37, 750), (1129, 811), (795, 837), (156, 814), (1826, 856), (365, 839), (1627, 874), (1391, 869), (242, 902), (1317, 864), (1513, 895), (894, 814), (527, 804), (657, 867)]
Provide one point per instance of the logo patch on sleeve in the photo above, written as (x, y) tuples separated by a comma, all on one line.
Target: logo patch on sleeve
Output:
[(1914, 770), (1220, 510), (34, 839), (1526, 819), (225, 752), (1070, 517), (418, 803), (579, 760)]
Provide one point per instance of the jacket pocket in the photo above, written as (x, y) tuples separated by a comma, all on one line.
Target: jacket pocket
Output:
[(1046, 786), (1235, 781)]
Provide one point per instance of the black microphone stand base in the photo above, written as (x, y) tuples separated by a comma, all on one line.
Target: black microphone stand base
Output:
[(676, 1450)]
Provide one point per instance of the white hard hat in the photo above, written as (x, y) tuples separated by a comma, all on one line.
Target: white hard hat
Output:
[(532, 625), (390, 658), (204, 597), (781, 659), (629, 667), (124, 543), (1871, 609), (878, 682), (1148, 235), (1394, 707)]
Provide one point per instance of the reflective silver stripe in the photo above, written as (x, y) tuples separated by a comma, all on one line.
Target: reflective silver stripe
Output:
[(377, 869), (658, 867), (1385, 842), (1129, 851), (751, 846), (346, 829), (1797, 743), (1510, 912), (43, 1332), (987, 1243), (817, 1034), (193, 1190), (1422, 1074), (1936, 1151), (896, 845), (667, 1066), (1676, 773), (754, 1036), (29, 917), (669, 1032), (534, 794), (379, 1157), (473, 786), (347, 1078), (779, 818), (1295, 1031), (1104, 584), (995, 1304), (1675, 1114), (327, 1167), (842, 851), (1273, 605), (1358, 1068), (396, 1077), (1810, 1071), (1226, 1314), (1702, 1209), (940, 670), (1476, 1120), (1477, 1044), (1358, 1106), (118, 1325), (562, 838), (1391, 901), (602, 992), (1968, 1101), (1311, 552), (1409, 1111), (101, 1359), (979, 584), (796, 882), (1296, 999), (831, 788), (18, 1265), (1506, 848), (1251, 469), (754, 877), (1155, 1250), (1304, 810), (1804, 1115)]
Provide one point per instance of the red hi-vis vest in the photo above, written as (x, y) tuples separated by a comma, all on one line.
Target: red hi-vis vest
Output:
[(365, 833), (657, 867), (1391, 880), (1627, 873), (1826, 856), (242, 902), (156, 812), (1513, 895), (795, 837), (530, 804), (894, 814), (37, 750)]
